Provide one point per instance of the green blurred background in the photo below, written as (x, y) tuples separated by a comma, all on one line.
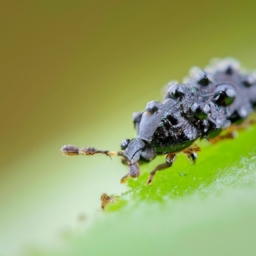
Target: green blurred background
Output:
[(72, 72)]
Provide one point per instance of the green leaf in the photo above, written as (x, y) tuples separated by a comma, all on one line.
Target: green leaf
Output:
[(224, 159), (203, 209)]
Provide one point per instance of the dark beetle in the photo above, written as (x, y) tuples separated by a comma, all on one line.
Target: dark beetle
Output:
[(206, 103)]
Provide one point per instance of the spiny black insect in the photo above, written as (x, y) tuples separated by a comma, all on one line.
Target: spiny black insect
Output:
[(207, 102)]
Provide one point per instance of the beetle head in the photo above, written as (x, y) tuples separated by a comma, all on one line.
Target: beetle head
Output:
[(138, 150)]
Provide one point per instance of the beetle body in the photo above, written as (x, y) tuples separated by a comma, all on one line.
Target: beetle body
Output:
[(207, 102)]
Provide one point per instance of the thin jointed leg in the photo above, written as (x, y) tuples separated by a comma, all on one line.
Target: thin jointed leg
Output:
[(169, 160), (191, 153)]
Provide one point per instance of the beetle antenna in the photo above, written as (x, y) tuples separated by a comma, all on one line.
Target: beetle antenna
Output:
[(69, 150)]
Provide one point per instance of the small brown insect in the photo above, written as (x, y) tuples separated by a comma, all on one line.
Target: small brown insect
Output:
[(106, 199)]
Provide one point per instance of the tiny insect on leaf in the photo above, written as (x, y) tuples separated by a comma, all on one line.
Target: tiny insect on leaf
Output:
[(218, 98)]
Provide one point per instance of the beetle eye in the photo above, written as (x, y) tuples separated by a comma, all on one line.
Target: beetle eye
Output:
[(224, 95), (125, 143)]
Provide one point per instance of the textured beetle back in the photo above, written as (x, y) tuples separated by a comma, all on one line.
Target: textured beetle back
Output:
[(205, 103)]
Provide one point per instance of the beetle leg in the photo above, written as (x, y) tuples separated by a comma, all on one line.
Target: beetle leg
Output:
[(69, 150), (191, 153), (231, 132), (169, 160), (124, 179), (228, 135)]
